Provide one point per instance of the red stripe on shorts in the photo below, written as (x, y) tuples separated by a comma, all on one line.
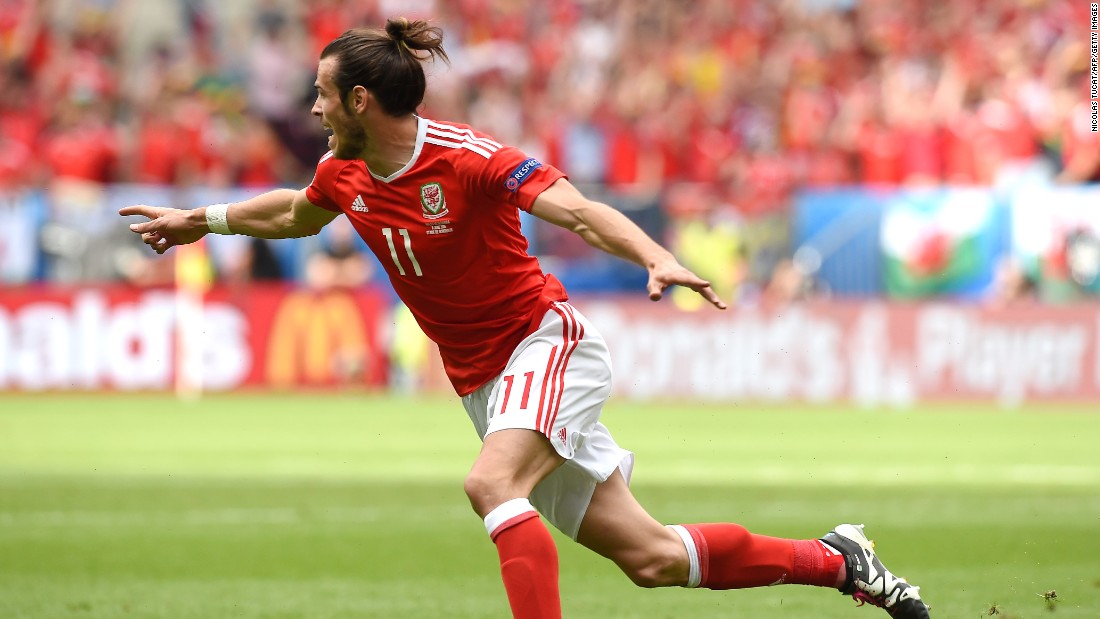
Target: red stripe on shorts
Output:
[(571, 333), (553, 375), (559, 366), (545, 381), (577, 337)]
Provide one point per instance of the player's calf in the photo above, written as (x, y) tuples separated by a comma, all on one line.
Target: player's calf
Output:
[(662, 563), (528, 560), (728, 556)]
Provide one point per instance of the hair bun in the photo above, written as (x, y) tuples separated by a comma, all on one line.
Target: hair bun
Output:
[(397, 28)]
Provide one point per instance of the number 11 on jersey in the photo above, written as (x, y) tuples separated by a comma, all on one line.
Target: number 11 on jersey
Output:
[(388, 233)]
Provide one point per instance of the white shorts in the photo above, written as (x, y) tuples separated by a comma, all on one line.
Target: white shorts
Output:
[(556, 383)]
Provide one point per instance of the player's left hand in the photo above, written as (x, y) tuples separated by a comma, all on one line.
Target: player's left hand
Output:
[(663, 275)]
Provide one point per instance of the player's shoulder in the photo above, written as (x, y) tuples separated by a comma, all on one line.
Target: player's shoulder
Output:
[(329, 160), (459, 140), (329, 167)]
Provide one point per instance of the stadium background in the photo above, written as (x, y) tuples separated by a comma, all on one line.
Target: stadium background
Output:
[(898, 199), (811, 158)]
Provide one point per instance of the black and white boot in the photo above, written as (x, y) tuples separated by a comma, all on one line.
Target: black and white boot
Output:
[(869, 581)]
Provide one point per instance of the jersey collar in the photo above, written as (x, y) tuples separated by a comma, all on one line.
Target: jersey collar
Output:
[(421, 131)]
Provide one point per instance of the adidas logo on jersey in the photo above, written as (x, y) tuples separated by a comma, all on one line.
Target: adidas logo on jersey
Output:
[(358, 205)]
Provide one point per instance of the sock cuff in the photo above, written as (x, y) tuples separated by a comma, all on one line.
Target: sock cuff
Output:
[(508, 514), (694, 569)]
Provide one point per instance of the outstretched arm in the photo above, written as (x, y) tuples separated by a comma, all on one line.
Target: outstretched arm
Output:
[(609, 230), (278, 214)]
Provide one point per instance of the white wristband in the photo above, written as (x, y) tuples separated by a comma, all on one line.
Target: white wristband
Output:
[(216, 219)]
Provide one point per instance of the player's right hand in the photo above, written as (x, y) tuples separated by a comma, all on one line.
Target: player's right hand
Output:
[(167, 227)]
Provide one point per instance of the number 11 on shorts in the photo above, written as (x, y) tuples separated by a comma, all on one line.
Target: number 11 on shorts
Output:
[(529, 377)]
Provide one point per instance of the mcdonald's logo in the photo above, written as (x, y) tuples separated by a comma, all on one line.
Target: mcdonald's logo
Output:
[(316, 339)]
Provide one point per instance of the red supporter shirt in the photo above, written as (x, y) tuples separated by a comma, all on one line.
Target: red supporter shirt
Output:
[(446, 228)]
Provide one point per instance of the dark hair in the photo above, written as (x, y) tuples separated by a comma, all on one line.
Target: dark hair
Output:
[(386, 62)]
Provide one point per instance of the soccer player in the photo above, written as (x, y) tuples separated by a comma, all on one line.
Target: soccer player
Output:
[(439, 203)]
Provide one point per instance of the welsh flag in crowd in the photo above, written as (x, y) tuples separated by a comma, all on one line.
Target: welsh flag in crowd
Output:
[(1056, 236), (938, 243)]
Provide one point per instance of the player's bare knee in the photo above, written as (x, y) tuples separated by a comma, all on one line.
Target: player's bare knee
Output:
[(486, 492)]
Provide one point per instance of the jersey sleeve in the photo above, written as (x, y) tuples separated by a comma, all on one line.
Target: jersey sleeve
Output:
[(512, 177), (322, 191)]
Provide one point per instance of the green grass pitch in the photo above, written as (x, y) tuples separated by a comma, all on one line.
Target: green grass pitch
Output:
[(351, 506)]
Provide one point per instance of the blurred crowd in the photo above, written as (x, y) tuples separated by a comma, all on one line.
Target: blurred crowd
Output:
[(748, 99), (718, 109)]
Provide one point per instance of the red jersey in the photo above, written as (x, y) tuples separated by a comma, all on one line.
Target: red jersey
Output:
[(446, 228)]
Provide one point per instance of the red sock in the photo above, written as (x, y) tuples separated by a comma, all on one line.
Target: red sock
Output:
[(732, 558), (528, 560)]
